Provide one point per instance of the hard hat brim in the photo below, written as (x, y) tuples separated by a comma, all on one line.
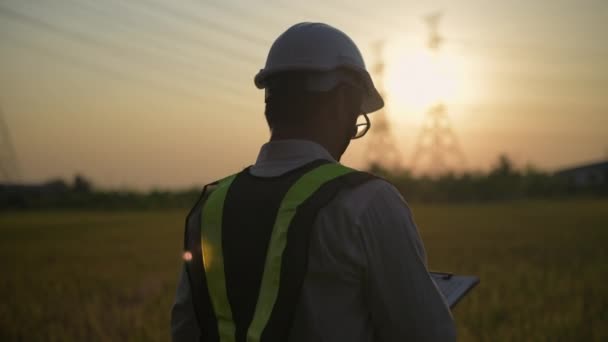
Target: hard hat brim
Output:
[(372, 100)]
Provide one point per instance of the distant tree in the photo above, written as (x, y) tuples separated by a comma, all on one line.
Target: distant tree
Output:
[(82, 184), (504, 166), (55, 186)]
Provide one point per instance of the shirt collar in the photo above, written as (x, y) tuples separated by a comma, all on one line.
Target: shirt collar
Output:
[(280, 156)]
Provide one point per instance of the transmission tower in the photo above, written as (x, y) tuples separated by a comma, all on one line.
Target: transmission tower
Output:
[(437, 145), (381, 148), (9, 170)]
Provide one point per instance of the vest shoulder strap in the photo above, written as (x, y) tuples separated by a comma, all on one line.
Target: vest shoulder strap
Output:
[(286, 260), (293, 261)]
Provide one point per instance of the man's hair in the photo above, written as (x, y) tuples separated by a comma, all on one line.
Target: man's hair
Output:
[(289, 102)]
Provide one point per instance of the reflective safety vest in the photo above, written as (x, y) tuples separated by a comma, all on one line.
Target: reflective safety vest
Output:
[(247, 240)]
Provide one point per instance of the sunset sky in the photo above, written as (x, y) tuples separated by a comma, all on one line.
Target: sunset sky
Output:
[(151, 93)]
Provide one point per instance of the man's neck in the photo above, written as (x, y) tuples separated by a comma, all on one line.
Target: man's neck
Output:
[(278, 135)]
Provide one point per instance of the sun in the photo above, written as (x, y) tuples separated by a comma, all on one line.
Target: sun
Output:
[(418, 79)]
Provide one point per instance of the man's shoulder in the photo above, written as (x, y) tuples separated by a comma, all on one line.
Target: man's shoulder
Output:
[(375, 193)]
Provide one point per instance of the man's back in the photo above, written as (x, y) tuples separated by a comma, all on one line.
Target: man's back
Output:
[(366, 278)]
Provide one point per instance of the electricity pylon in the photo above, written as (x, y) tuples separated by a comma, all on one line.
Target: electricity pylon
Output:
[(437, 144), (381, 148), (9, 169)]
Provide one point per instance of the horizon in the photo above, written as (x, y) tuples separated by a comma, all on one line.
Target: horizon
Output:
[(140, 95)]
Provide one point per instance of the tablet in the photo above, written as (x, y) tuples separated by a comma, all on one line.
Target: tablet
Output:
[(454, 287)]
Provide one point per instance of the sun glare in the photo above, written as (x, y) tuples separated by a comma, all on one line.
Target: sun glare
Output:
[(416, 80)]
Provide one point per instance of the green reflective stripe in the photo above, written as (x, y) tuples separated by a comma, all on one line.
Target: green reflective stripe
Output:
[(213, 258), (304, 187)]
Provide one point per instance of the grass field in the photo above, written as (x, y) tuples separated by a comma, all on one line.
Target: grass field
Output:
[(96, 276)]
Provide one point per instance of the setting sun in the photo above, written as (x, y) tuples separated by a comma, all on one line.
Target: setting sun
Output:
[(418, 79)]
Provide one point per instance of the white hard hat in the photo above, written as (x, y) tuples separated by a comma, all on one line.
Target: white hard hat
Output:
[(319, 47)]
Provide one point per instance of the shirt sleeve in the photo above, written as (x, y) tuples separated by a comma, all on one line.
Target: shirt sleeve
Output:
[(184, 327), (404, 301)]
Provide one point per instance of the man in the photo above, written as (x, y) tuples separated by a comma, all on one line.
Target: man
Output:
[(298, 247)]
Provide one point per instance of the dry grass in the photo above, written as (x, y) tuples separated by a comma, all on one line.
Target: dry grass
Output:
[(95, 276)]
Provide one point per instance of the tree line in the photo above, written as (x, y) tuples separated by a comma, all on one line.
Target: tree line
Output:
[(502, 182)]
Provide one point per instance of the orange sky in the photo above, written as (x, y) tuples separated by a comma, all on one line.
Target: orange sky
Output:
[(160, 94)]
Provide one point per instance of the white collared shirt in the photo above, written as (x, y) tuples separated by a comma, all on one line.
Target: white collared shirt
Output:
[(367, 276)]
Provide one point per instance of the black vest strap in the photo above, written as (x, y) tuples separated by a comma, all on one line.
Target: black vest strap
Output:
[(194, 268)]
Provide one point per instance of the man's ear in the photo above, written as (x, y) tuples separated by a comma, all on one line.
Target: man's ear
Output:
[(341, 99), (351, 99)]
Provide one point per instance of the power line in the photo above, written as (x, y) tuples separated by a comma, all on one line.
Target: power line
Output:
[(233, 12), (169, 51), (304, 9), (350, 10), (167, 43), (226, 52), (116, 75), (213, 48), (227, 7), (352, 13), (223, 52), (205, 22), (526, 47), (359, 15), (301, 9), (115, 49), (218, 80)]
